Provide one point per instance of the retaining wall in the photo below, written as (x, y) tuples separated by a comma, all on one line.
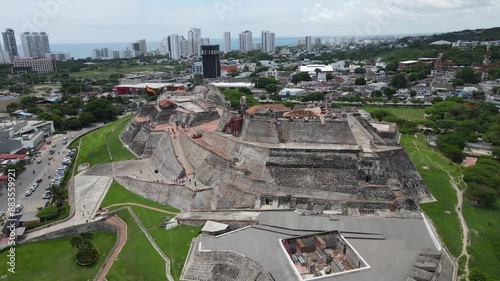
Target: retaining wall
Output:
[(164, 158)]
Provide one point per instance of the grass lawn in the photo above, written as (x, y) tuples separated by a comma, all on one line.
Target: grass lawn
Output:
[(442, 212), (54, 260), (175, 244), (407, 113), (119, 152), (93, 149), (118, 194), (484, 233), (138, 260)]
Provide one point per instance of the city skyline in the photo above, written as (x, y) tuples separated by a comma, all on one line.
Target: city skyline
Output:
[(64, 19)]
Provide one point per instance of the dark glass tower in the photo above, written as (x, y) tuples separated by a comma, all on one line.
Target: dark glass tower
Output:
[(211, 61)]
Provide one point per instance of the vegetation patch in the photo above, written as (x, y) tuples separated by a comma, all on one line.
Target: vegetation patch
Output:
[(55, 260)]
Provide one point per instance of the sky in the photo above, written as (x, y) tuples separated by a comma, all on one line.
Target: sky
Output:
[(102, 21)]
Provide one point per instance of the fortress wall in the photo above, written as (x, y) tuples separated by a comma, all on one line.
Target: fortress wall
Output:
[(149, 110), (205, 163), (311, 159), (130, 131), (221, 143), (139, 142), (164, 159), (197, 119), (225, 118), (372, 170), (376, 138), (164, 116), (412, 184), (173, 195), (378, 194), (179, 116), (336, 180), (332, 131), (231, 197), (151, 144), (260, 130)]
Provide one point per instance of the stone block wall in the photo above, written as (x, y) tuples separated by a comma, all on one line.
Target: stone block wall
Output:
[(164, 159), (128, 135), (260, 130), (402, 169), (312, 131), (74, 230), (176, 196), (139, 142)]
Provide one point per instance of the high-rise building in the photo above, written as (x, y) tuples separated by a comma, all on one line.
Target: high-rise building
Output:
[(143, 49), (4, 57), (35, 45), (308, 43), (38, 65), (59, 56), (205, 41), (9, 42), (227, 42), (194, 36), (268, 42), (211, 61), (317, 41), (136, 48), (184, 47), (246, 41), (174, 48)]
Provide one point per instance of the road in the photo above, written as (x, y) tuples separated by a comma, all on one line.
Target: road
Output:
[(36, 171)]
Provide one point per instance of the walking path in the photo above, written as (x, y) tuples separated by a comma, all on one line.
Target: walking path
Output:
[(142, 206), (458, 210), (121, 239), (179, 152)]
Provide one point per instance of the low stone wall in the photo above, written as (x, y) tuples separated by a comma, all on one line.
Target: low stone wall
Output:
[(74, 230)]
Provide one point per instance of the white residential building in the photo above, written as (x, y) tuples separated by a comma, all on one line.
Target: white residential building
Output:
[(39, 65), (4, 57), (35, 45), (268, 42), (308, 43), (246, 41), (227, 42), (197, 67), (174, 46), (59, 56)]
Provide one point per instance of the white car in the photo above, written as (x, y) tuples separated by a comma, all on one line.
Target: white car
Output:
[(18, 208), (28, 193)]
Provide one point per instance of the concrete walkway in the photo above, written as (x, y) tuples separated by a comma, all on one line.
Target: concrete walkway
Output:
[(89, 192), (122, 238), (142, 206)]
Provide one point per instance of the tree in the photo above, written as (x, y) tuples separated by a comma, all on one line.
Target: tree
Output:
[(482, 195), (48, 213), (329, 77), (476, 275), (413, 93), (272, 88), (318, 71), (102, 109), (359, 70), (12, 107), (360, 81), (87, 252), (413, 77), (458, 82), (381, 114), (389, 93), (377, 94), (399, 81), (87, 118), (303, 76), (468, 75)]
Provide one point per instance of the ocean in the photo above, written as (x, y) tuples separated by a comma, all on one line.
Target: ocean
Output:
[(81, 51)]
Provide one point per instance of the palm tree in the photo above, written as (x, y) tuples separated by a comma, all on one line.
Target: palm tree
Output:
[(318, 71)]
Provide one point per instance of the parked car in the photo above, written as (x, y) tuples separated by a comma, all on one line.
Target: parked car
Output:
[(19, 208), (52, 151), (39, 180), (65, 142), (28, 193), (50, 158), (65, 138), (39, 161), (49, 142), (46, 195)]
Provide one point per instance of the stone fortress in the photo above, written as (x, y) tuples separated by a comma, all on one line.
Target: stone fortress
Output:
[(272, 157), (286, 195)]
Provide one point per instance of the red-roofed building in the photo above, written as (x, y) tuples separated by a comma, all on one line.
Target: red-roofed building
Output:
[(279, 108), (12, 156)]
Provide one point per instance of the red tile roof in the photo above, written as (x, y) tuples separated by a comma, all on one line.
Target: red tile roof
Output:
[(12, 156), (275, 107)]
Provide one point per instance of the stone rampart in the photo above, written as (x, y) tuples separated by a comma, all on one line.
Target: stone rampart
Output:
[(176, 196), (164, 158)]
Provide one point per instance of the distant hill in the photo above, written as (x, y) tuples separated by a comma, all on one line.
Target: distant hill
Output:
[(465, 35)]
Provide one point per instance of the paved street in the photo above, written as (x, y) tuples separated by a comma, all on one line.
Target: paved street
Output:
[(41, 171)]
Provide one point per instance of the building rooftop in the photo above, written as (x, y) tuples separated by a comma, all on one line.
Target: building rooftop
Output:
[(389, 246), (313, 67)]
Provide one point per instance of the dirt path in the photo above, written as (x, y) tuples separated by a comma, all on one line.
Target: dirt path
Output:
[(110, 259), (458, 210), (142, 206)]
